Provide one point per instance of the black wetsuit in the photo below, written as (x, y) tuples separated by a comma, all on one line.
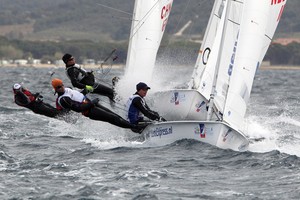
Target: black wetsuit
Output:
[(93, 111), (80, 78), (34, 103)]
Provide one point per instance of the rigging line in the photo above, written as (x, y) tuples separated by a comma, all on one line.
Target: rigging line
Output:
[(101, 81), (115, 9), (42, 91), (179, 21), (139, 25), (119, 106), (189, 34), (106, 59), (109, 68), (177, 25), (267, 36), (125, 18)]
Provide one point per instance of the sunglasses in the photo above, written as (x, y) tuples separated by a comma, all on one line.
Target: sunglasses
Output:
[(70, 59), (58, 87)]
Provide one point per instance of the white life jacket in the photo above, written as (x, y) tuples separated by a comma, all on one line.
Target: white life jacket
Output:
[(73, 94), (80, 75), (131, 110)]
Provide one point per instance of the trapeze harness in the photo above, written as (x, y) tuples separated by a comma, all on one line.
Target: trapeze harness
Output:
[(134, 114), (81, 74)]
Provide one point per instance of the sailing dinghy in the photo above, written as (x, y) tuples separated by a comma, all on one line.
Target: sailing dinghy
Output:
[(212, 109)]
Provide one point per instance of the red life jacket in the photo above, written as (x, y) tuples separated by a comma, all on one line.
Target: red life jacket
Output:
[(29, 95)]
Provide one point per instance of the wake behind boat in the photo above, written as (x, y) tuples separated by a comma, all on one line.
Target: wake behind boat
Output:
[(212, 110)]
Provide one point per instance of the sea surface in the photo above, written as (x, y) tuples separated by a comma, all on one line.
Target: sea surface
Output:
[(44, 158)]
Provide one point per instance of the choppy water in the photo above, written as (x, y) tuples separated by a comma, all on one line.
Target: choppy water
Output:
[(43, 158)]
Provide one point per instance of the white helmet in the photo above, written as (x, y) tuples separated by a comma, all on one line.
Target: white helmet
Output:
[(17, 86)]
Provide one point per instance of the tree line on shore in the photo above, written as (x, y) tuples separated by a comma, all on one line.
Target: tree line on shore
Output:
[(178, 52)]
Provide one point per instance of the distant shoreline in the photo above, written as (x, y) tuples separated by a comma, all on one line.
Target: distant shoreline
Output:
[(280, 67), (56, 66), (120, 66)]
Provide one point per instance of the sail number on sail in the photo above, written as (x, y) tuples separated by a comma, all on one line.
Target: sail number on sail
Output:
[(276, 1), (165, 12)]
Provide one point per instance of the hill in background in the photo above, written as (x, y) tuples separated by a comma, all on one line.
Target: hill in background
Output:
[(108, 20)]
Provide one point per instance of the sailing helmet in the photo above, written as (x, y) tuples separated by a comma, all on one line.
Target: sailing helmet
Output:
[(16, 86), (56, 82)]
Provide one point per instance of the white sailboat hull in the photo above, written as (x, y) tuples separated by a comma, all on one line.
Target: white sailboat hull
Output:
[(181, 104), (218, 134)]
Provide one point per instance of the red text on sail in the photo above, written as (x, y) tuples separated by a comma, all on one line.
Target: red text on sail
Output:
[(273, 2), (276, 2), (165, 12)]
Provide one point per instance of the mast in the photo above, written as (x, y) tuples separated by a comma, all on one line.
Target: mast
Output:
[(216, 72)]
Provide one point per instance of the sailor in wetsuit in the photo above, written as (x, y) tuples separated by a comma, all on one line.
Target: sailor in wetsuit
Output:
[(137, 107), (69, 99), (82, 79), (34, 102)]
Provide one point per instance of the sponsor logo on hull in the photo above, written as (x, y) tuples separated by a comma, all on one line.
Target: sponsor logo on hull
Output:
[(227, 135), (200, 130), (199, 105), (159, 131), (177, 98)]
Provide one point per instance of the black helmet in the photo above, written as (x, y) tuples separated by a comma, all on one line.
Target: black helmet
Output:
[(66, 57)]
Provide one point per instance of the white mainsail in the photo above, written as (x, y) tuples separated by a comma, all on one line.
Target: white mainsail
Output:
[(238, 42), (149, 21), (258, 25), (221, 56), (207, 43)]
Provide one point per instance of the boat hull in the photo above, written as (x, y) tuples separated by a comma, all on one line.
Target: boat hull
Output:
[(218, 134), (181, 104)]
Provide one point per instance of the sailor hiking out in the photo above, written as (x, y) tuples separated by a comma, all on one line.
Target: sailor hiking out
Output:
[(23, 97), (69, 99), (82, 79)]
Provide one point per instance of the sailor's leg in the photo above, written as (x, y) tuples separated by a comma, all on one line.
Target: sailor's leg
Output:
[(104, 108), (45, 109), (104, 90), (106, 115)]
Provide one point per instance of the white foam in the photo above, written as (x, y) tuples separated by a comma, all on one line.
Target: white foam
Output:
[(275, 137)]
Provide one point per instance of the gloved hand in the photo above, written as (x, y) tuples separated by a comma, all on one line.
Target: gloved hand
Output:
[(114, 80), (39, 98), (95, 101), (89, 88), (161, 119), (156, 114)]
